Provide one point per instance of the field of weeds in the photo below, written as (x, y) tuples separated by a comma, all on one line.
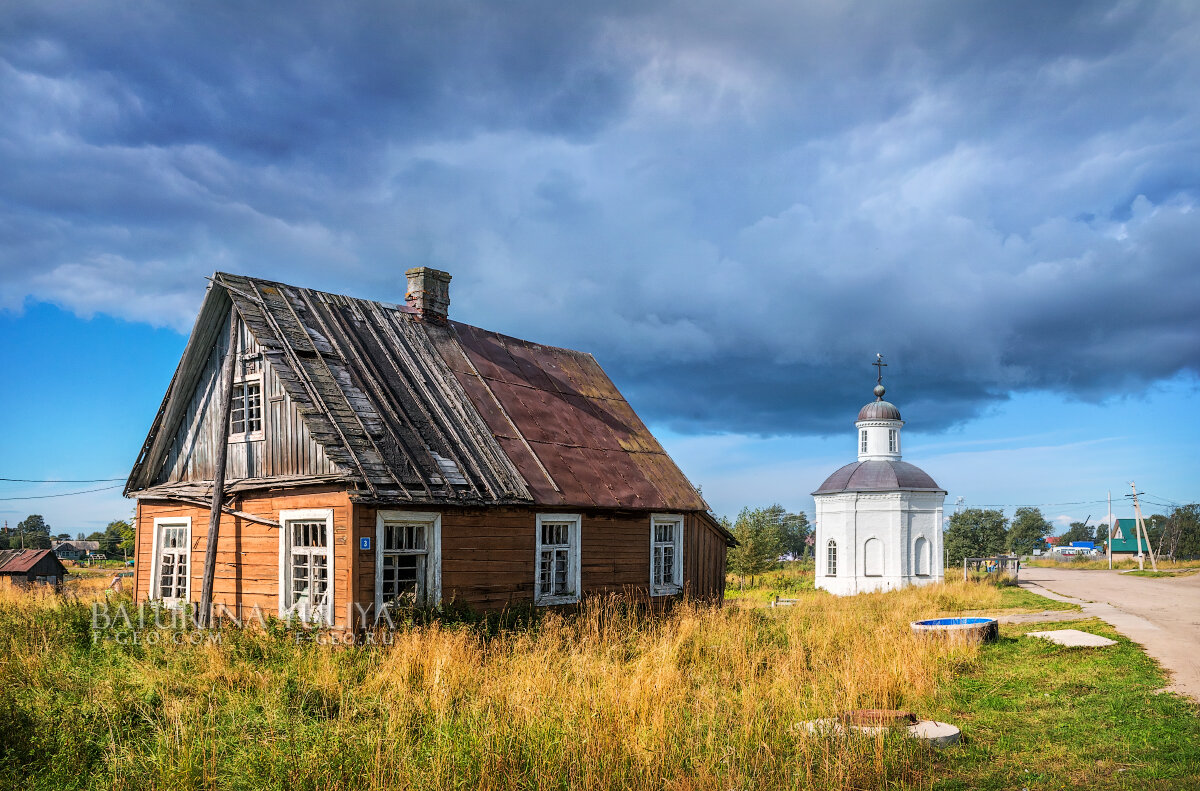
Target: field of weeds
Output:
[(608, 696)]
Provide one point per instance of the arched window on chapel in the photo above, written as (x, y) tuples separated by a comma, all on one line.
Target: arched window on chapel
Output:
[(831, 559)]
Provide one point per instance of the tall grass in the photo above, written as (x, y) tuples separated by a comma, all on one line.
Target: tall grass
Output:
[(608, 696)]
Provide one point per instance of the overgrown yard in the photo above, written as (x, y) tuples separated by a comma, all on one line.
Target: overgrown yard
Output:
[(610, 697)]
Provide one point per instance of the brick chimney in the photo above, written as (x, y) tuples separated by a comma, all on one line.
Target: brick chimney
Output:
[(429, 293)]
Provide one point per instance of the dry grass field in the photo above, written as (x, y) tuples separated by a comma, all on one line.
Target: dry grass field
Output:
[(701, 697)]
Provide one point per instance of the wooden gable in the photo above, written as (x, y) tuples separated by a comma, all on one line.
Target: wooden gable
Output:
[(282, 448)]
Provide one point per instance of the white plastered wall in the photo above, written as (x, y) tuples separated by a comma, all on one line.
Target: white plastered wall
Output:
[(897, 519)]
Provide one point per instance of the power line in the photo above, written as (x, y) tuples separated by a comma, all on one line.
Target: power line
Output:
[(1030, 505), (63, 494), (62, 480)]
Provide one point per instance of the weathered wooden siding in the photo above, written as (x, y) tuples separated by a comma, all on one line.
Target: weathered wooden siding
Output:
[(247, 571), (286, 448), (704, 551), (488, 555)]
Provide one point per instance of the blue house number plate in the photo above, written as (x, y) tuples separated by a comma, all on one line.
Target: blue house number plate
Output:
[(364, 543)]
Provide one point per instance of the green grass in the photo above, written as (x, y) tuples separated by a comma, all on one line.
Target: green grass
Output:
[(1158, 574), (1013, 598), (1039, 716)]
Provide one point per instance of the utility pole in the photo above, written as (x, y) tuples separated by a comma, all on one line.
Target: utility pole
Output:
[(1141, 525), (1108, 543)]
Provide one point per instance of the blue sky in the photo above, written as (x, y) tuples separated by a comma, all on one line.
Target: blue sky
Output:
[(732, 206)]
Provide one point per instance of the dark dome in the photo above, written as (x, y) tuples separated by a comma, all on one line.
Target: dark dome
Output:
[(879, 475), (879, 410)]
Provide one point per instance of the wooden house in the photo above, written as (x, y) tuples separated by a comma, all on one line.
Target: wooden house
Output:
[(31, 566), (381, 454), (74, 550)]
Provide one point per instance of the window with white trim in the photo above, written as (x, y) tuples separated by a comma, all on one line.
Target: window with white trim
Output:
[(831, 558), (306, 565), (245, 408), (893, 441), (666, 554), (172, 582), (407, 559), (863, 443), (557, 573)]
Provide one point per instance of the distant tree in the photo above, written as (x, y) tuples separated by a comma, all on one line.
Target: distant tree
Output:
[(975, 533), (760, 542), (32, 533), (1077, 531), (1181, 534), (119, 536), (1156, 527), (794, 532), (1028, 530), (1101, 533)]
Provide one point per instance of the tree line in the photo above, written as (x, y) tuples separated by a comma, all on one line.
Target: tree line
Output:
[(978, 532), (34, 532), (766, 536)]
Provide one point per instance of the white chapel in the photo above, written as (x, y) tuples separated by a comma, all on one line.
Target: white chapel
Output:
[(879, 519)]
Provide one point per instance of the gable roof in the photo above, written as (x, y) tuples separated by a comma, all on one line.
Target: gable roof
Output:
[(1124, 536), (411, 411), (21, 561)]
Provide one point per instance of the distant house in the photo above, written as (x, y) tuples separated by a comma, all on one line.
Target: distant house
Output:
[(31, 565), (382, 455), (74, 550), (1124, 540)]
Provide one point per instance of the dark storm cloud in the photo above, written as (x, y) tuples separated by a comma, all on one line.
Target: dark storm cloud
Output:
[(734, 206)]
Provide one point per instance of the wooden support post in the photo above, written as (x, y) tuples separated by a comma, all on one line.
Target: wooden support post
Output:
[(224, 402), (964, 569)]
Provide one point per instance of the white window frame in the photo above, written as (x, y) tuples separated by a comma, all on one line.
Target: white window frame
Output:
[(677, 545), (286, 517), (244, 380), (831, 544), (155, 565), (433, 553), (893, 441), (863, 442), (574, 549)]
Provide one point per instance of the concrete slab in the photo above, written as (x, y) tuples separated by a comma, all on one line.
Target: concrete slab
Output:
[(1073, 638)]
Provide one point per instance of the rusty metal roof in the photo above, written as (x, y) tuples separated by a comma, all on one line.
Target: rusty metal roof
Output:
[(20, 561), (412, 411), (564, 424), (879, 475)]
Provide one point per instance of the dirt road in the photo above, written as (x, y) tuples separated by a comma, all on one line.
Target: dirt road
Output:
[(1161, 614)]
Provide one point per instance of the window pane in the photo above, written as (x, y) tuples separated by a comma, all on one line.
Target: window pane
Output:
[(253, 406)]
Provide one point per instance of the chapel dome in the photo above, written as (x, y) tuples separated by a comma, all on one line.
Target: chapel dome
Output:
[(879, 410), (879, 475)]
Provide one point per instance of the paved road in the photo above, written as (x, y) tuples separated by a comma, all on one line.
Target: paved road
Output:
[(1161, 614)]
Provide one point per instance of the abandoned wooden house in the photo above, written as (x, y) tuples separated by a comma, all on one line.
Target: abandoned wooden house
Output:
[(26, 566), (379, 455)]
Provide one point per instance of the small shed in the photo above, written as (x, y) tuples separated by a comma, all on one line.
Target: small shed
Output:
[(32, 565)]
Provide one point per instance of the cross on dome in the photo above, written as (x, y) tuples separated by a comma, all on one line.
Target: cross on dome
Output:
[(879, 366)]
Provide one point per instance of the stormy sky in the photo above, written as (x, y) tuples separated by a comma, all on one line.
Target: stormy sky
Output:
[(734, 206)]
